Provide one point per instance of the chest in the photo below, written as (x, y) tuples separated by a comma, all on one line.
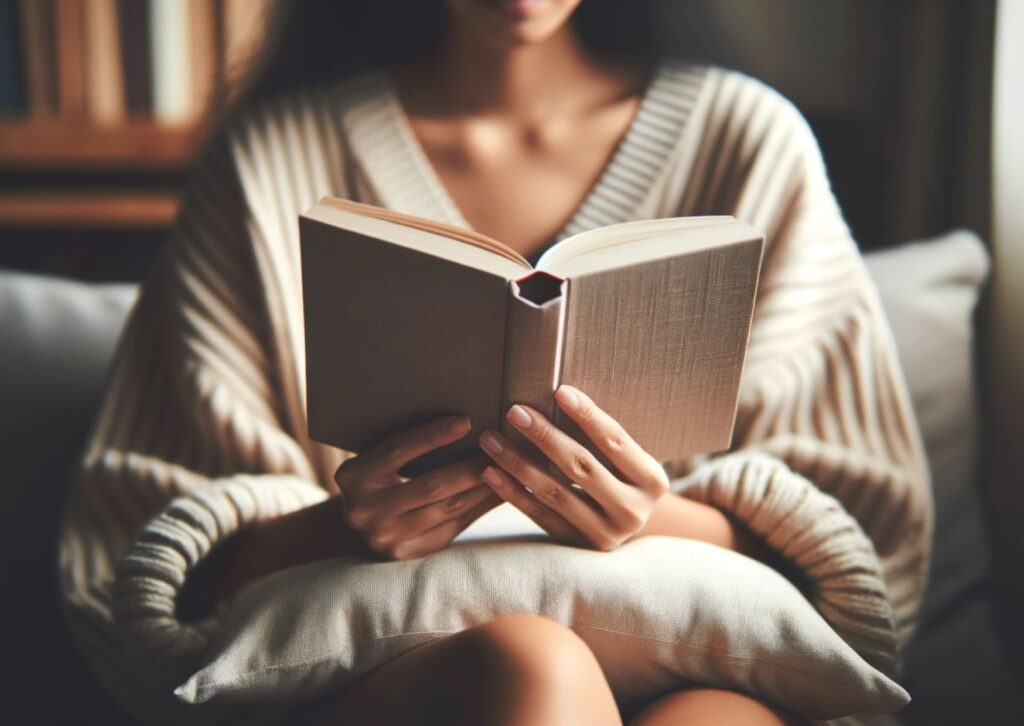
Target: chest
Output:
[(522, 186)]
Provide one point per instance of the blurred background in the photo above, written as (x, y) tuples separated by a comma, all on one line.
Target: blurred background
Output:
[(104, 103)]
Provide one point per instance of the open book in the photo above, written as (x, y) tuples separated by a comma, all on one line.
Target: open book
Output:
[(407, 319)]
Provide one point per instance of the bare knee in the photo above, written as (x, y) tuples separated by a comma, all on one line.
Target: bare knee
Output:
[(700, 706), (532, 646), (540, 670), (516, 670)]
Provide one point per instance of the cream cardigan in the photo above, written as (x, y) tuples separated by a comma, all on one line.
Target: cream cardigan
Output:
[(203, 424)]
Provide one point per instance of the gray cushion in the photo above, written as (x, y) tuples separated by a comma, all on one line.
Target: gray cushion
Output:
[(56, 337), (929, 291), (658, 613)]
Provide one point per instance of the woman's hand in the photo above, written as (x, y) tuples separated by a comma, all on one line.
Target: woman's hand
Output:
[(386, 515), (598, 508), (401, 518)]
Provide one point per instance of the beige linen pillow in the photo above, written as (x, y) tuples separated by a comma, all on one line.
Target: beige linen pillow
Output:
[(657, 612)]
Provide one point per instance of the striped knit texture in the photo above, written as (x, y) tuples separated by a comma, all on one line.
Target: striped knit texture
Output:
[(203, 429)]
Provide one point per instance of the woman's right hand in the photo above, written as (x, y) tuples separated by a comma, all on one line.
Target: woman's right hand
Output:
[(401, 518)]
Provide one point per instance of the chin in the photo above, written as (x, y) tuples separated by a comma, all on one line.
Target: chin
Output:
[(512, 23)]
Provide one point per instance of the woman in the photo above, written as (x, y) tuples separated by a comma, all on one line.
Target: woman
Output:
[(518, 120)]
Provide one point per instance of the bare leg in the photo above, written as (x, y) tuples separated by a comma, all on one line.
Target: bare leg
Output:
[(516, 670), (712, 707)]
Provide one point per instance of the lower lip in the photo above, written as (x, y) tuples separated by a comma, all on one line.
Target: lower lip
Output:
[(519, 8)]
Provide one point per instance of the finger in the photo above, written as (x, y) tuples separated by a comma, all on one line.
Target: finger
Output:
[(515, 494), (439, 537), (571, 457), (632, 460), (421, 519), (434, 486), (398, 450), (554, 494)]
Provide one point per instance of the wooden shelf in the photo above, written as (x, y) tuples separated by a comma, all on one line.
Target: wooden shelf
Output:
[(89, 209), (38, 145)]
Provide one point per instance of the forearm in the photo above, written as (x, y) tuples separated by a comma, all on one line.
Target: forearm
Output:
[(314, 533), (306, 535), (677, 516)]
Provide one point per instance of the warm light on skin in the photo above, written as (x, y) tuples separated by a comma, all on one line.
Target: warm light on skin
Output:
[(504, 24), (518, 109)]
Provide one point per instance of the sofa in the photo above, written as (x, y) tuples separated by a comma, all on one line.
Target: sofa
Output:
[(57, 336)]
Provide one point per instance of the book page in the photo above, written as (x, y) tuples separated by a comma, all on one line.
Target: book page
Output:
[(408, 221), (559, 255)]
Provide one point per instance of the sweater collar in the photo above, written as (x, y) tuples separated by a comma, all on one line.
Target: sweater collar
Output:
[(392, 159)]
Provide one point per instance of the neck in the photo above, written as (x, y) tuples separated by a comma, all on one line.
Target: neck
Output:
[(526, 80)]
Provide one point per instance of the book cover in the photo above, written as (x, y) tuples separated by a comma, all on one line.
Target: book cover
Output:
[(405, 322)]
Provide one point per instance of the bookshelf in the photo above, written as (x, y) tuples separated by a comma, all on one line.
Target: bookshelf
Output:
[(139, 145), (105, 103), (141, 152), (57, 208)]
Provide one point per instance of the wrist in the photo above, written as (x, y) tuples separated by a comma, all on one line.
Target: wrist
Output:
[(321, 534), (314, 533), (335, 537)]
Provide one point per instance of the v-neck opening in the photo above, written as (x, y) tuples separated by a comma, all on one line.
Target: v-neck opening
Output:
[(404, 172)]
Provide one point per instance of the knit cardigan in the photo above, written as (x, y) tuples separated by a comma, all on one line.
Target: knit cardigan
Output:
[(203, 427)]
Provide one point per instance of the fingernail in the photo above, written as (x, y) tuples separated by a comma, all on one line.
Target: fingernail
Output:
[(490, 442), (491, 476), (568, 396), (518, 415), (457, 425)]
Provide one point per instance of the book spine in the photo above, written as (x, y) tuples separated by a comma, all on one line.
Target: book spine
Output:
[(70, 55), (39, 55), (170, 41), (136, 50), (104, 93), (533, 346)]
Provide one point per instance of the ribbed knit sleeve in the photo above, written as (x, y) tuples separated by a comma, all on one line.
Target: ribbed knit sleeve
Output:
[(827, 464), (193, 441)]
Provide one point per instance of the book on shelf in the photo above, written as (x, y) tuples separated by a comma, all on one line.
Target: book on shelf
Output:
[(12, 84), (69, 21), (104, 88), (169, 38), (408, 319), (136, 56), (39, 54), (108, 62)]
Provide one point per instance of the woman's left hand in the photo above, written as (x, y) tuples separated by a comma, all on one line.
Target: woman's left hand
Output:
[(613, 509)]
